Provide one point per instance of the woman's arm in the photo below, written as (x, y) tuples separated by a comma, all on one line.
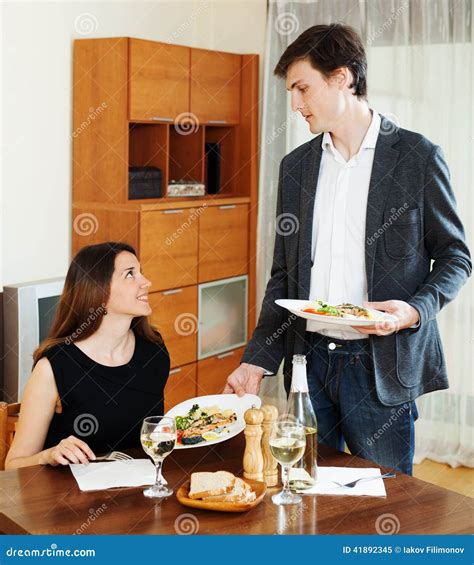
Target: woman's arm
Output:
[(37, 410)]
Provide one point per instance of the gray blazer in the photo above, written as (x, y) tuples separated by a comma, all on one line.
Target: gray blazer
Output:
[(411, 220)]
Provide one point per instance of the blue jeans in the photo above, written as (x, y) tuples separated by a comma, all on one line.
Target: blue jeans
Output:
[(341, 385)]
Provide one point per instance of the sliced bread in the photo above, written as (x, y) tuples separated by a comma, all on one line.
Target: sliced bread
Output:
[(205, 484), (241, 493)]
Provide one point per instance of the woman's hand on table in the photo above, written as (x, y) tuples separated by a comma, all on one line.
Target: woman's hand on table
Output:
[(68, 450)]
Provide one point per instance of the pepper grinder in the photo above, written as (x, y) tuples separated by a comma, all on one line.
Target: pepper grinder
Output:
[(270, 464), (253, 458)]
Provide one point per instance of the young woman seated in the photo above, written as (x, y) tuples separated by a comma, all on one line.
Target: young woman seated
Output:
[(102, 369)]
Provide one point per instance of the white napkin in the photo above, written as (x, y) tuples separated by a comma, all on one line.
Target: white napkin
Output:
[(110, 474), (326, 476)]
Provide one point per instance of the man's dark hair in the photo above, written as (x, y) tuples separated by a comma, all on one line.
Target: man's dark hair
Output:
[(327, 48)]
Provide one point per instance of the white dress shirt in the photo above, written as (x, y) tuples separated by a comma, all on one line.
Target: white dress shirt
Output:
[(338, 240)]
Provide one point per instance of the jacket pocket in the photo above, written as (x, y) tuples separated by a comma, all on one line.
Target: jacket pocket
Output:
[(419, 355), (402, 234)]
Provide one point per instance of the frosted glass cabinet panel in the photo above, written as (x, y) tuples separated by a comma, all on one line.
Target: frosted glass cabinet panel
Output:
[(222, 316)]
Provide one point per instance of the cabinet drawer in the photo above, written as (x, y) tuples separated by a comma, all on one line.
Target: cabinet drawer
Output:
[(159, 80), (181, 385), (212, 373), (215, 86), (223, 242), (175, 316), (168, 247)]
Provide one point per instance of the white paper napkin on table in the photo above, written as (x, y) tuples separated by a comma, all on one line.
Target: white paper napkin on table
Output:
[(110, 474), (327, 475)]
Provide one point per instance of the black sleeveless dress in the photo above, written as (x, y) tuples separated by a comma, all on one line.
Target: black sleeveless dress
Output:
[(105, 406)]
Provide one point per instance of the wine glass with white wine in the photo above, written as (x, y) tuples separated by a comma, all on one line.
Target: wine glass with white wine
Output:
[(158, 437), (287, 444)]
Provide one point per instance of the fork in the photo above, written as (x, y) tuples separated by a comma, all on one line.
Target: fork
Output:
[(114, 456), (352, 484)]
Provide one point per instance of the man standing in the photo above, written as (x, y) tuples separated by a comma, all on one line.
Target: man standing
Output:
[(377, 222)]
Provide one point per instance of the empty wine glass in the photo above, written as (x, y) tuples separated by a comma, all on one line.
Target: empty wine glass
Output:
[(158, 437), (287, 444)]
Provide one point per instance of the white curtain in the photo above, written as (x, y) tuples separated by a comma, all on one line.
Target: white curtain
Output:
[(420, 74)]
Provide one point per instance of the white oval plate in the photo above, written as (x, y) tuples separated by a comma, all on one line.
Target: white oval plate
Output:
[(238, 404), (296, 307)]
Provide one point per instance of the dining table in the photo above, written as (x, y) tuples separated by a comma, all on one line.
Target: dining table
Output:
[(47, 500)]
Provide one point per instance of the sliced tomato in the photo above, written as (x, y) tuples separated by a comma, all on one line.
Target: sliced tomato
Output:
[(313, 311), (179, 435)]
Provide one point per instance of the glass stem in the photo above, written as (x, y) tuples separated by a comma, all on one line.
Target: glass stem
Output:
[(285, 471), (158, 465)]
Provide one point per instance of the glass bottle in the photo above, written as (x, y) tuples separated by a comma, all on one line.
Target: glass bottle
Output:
[(300, 407)]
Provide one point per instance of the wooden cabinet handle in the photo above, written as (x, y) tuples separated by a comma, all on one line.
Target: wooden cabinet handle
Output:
[(217, 121), (160, 119), (226, 206), (172, 291), (174, 371), (224, 355), (173, 211)]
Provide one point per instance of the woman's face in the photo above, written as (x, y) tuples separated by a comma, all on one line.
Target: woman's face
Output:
[(128, 288)]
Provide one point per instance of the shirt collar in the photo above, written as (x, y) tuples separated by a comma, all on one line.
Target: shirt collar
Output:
[(369, 141)]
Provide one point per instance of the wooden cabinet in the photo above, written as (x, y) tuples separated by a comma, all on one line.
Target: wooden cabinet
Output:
[(168, 247), (175, 314), (181, 385), (223, 242), (127, 95), (212, 373), (215, 86), (159, 80), (100, 127)]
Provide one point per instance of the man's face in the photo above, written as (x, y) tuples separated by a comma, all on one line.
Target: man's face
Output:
[(321, 101)]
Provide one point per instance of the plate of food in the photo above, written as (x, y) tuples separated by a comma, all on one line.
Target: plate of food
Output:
[(207, 420), (221, 491), (345, 314)]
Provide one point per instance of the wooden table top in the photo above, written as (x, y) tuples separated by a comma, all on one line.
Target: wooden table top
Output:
[(47, 500)]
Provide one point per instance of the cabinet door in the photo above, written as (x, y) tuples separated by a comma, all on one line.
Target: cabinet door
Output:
[(215, 86), (213, 372), (175, 316), (181, 385), (168, 247), (159, 80), (223, 242)]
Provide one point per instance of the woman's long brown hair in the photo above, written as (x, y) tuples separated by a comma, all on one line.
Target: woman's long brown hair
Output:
[(85, 294)]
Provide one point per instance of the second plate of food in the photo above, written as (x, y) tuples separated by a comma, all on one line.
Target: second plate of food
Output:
[(211, 419), (335, 315)]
